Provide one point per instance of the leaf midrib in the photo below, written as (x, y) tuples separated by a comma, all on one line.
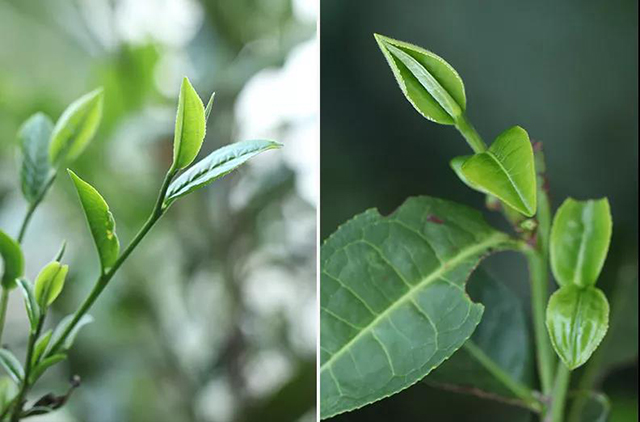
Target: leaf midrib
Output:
[(513, 184), (465, 253)]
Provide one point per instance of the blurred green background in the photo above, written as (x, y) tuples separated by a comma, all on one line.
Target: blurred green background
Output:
[(213, 317), (565, 71)]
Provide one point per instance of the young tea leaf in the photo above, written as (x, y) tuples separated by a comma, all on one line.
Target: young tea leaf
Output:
[(217, 164), (12, 365), (41, 346), (62, 326), (101, 221), (430, 84), (13, 260), (580, 237), (190, 126), (30, 302), (49, 283), (577, 321), (392, 299), (506, 170), (47, 363), (207, 110), (34, 137), (8, 390), (75, 128)]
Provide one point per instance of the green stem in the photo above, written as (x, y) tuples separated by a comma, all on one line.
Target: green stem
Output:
[(519, 390), (563, 377), (470, 134), (4, 300), (104, 279)]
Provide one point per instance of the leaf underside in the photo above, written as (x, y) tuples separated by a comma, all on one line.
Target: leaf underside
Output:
[(393, 304), (34, 137)]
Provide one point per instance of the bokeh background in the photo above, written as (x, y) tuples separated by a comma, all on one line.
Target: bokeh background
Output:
[(565, 71), (213, 317)]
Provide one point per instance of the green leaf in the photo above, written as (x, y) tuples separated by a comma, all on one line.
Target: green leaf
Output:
[(30, 302), (13, 261), (44, 365), (596, 407), (456, 165), (493, 344), (10, 364), (430, 84), (207, 110), (506, 170), (190, 126), (36, 171), (216, 165), (41, 346), (580, 237), (75, 128), (49, 283), (8, 390), (62, 326), (393, 305), (101, 221), (577, 321)]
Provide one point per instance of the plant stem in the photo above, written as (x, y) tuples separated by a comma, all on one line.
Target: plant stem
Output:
[(33, 337), (104, 279), (518, 389), (563, 376), (470, 134), (4, 300)]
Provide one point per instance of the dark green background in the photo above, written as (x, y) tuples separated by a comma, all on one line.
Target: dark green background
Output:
[(565, 71)]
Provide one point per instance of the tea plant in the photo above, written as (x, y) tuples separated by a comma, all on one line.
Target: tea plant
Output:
[(47, 148), (394, 302)]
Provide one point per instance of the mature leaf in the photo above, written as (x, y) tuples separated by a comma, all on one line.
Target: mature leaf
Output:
[(101, 222), (75, 128), (216, 165), (190, 126), (577, 321), (41, 346), (393, 305), (504, 345), (62, 326), (13, 260), (46, 363), (580, 237), (34, 137), (30, 302), (430, 84), (10, 364), (506, 170), (49, 283)]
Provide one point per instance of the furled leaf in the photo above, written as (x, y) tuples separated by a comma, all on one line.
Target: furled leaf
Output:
[(577, 321), (30, 302), (49, 283), (41, 346), (190, 126), (62, 326), (494, 344), (75, 128), (11, 364), (34, 137), (101, 221), (13, 260), (430, 84), (46, 363), (393, 305), (580, 237), (506, 170), (217, 164), (207, 110)]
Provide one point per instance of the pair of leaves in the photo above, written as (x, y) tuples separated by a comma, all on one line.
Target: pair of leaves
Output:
[(13, 260), (11, 365), (393, 304), (578, 313), (506, 170)]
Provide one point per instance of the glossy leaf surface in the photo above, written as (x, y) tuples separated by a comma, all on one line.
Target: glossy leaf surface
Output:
[(34, 137), (11, 364), (494, 342), (12, 259), (190, 126), (101, 221), (430, 84), (577, 321), (506, 170), (580, 237), (75, 128), (393, 304), (49, 283), (216, 165)]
